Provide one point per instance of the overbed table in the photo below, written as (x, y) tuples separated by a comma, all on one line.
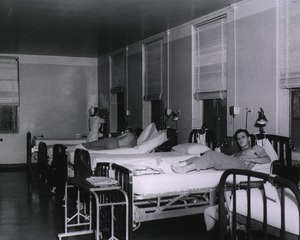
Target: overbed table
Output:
[(82, 185)]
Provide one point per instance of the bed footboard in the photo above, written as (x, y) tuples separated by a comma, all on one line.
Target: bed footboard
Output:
[(249, 183), (159, 206)]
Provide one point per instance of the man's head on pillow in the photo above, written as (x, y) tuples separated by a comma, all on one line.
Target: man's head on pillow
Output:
[(240, 131)]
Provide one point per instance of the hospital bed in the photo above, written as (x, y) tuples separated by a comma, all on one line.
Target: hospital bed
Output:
[(258, 201), (156, 192), (251, 200), (158, 196)]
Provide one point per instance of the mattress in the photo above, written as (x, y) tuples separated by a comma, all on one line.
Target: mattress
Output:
[(273, 208), (152, 173), (171, 182)]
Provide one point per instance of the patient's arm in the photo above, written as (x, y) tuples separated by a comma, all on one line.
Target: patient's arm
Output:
[(256, 155)]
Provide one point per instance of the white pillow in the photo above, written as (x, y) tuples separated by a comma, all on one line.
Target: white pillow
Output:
[(191, 148), (146, 133), (150, 144), (267, 146)]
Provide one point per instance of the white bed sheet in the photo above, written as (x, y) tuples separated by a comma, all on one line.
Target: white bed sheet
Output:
[(273, 208), (174, 182), (164, 180)]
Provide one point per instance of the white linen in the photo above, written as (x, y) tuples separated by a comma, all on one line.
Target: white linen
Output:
[(273, 208), (170, 157), (165, 181), (174, 182)]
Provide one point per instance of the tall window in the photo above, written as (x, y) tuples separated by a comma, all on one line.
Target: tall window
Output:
[(290, 44), (118, 75), (153, 75), (118, 66), (153, 70), (210, 59), (290, 61), (9, 95), (210, 73)]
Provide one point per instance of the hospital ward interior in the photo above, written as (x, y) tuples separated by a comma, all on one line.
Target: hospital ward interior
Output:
[(149, 119)]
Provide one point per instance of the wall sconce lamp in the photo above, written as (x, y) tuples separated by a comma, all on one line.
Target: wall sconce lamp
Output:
[(261, 121), (170, 113)]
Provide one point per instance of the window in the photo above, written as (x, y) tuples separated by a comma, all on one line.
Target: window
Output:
[(210, 73), (290, 44), (215, 114), (210, 59), (118, 66), (153, 70), (118, 76), (153, 77), (9, 95), (290, 61), (295, 117)]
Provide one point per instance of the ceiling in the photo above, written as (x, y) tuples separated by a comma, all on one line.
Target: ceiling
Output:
[(91, 28)]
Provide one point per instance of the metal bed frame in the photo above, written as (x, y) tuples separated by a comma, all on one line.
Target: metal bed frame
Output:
[(161, 206), (235, 218), (282, 146)]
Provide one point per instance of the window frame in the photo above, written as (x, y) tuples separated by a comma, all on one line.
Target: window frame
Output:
[(212, 62), (12, 91), (152, 71)]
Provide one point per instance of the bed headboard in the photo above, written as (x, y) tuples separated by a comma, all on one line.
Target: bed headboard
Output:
[(210, 137), (281, 144)]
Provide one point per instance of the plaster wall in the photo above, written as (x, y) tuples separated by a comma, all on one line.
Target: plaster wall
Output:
[(55, 94)]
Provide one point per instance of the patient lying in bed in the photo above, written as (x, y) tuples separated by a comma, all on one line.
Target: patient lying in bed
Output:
[(247, 158), (127, 139)]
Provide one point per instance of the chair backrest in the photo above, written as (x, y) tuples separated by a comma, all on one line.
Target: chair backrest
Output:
[(82, 163), (210, 137)]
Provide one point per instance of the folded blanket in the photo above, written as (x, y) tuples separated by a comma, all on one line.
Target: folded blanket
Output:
[(101, 181)]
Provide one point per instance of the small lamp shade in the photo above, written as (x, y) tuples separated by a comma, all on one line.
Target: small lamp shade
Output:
[(261, 120), (175, 116)]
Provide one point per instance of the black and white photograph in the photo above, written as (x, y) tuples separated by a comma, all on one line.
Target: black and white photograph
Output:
[(149, 119)]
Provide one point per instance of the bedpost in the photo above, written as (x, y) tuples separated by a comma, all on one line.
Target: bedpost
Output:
[(28, 152), (124, 177)]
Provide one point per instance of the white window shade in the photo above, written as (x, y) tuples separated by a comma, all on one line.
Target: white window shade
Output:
[(118, 65), (290, 44), (9, 82), (153, 70), (210, 59)]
